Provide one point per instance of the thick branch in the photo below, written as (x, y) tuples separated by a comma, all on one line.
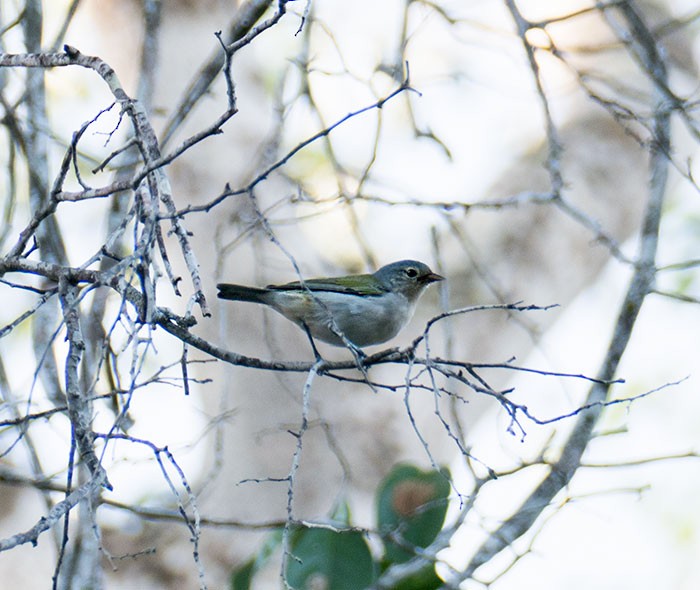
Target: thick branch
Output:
[(79, 408)]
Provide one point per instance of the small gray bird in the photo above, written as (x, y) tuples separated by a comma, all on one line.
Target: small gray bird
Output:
[(366, 309)]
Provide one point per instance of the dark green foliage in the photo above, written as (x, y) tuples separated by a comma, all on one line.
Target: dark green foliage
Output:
[(411, 508)]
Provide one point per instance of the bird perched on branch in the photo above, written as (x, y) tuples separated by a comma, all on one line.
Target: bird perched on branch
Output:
[(354, 310)]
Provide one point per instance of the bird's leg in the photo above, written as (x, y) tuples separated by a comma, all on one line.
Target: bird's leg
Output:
[(358, 354), (317, 354)]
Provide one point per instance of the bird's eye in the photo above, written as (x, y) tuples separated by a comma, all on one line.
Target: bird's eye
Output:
[(411, 273)]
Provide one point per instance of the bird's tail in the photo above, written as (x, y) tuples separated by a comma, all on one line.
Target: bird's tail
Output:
[(241, 293)]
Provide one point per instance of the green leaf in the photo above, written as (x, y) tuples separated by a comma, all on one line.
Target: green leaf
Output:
[(242, 578), (411, 508), (424, 579), (322, 558)]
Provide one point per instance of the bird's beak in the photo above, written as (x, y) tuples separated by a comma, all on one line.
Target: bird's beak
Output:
[(432, 278)]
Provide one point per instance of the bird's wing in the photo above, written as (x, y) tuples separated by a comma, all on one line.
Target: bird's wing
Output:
[(335, 284)]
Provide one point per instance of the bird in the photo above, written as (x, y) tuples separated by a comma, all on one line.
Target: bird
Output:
[(354, 310)]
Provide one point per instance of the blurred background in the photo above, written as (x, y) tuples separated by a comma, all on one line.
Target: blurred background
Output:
[(514, 160)]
